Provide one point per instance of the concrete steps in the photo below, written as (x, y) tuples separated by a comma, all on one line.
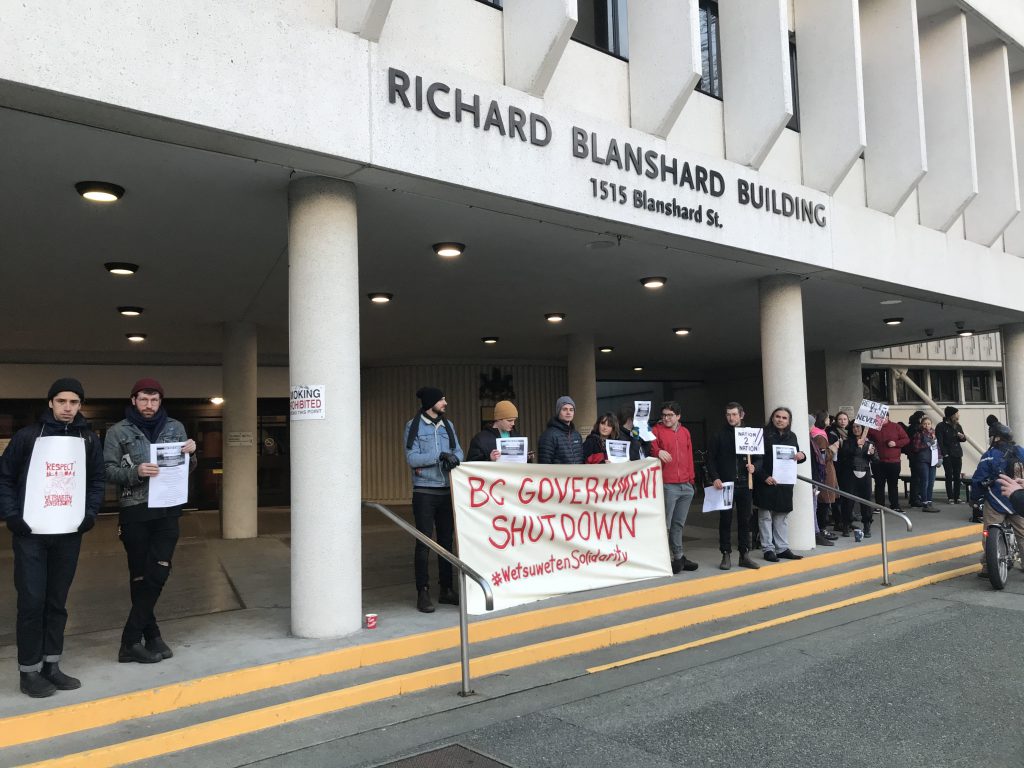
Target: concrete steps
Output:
[(581, 635)]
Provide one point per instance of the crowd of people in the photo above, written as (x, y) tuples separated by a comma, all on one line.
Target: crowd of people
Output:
[(845, 456)]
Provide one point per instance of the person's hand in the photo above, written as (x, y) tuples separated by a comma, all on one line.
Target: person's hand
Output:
[(148, 470), (495, 454), (189, 446), (665, 457), (800, 455), (87, 523), (769, 481), (1009, 485), (891, 443), (18, 526), (750, 468), (718, 485)]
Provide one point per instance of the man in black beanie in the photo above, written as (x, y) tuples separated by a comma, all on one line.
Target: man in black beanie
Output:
[(949, 435), (51, 488), (432, 450)]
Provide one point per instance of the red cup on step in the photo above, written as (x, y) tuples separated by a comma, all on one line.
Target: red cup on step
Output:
[(371, 621)]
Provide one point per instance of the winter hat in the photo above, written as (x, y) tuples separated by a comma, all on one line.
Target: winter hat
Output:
[(66, 385), (1001, 431), (950, 410), (147, 385), (563, 400), (915, 417), (991, 419), (505, 409), (429, 396)]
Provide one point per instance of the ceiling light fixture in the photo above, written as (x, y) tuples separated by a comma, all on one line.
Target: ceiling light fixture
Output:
[(681, 331), (606, 350), (638, 368), (380, 298), (130, 311), (449, 250), (489, 339), (599, 245), (217, 400), (121, 267), (893, 320), (554, 317), (889, 302), (653, 282), (100, 191), (135, 338)]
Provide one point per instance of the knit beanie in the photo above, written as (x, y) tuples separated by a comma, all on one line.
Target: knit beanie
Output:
[(950, 410), (563, 400), (429, 396), (66, 385), (991, 419), (147, 385), (505, 409)]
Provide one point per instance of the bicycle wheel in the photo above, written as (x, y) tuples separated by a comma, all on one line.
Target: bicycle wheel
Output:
[(995, 556)]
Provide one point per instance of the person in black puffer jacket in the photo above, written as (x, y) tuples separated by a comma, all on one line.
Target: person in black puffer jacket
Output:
[(560, 443)]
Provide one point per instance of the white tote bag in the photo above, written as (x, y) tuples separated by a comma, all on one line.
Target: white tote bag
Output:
[(55, 486)]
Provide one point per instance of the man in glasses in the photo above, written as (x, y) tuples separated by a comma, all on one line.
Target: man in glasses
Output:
[(672, 446)]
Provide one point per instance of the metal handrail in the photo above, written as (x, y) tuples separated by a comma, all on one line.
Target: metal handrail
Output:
[(464, 570), (881, 519)]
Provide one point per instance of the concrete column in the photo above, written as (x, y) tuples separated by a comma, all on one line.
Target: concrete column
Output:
[(323, 350), (843, 383), (785, 384), (583, 380), (1013, 377), (238, 507)]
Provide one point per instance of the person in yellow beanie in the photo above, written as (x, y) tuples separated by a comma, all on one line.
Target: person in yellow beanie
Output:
[(484, 446)]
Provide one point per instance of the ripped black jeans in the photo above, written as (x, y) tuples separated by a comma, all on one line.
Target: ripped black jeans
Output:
[(149, 545)]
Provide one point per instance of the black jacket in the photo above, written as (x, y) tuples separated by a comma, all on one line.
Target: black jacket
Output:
[(777, 498), (852, 458), (723, 462), (950, 436), (16, 459), (560, 443), (637, 450), (485, 441)]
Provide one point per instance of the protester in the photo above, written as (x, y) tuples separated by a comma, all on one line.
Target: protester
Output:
[(560, 443), (149, 533), (673, 448), (823, 470), (432, 451), (775, 501), (913, 426), (950, 435), (629, 431), (45, 563), (484, 445), (889, 441), (1004, 458), (725, 465), (856, 453), (594, 449), (924, 456)]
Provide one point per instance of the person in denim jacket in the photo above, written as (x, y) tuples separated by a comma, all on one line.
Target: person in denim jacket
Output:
[(149, 534), (432, 450)]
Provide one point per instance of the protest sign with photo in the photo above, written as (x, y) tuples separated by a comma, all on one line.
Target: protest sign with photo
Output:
[(872, 414)]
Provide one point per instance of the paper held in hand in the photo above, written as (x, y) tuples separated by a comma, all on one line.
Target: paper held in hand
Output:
[(170, 487), (617, 451), (642, 418), (749, 440), (715, 499), (784, 464), (871, 414), (512, 449)]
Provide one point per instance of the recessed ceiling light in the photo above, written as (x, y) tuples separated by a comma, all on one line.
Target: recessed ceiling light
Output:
[(638, 368), (130, 311), (135, 338), (489, 339), (121, 267), (217, 400), (449, 250), (653, 282), (888, 302), (554, 317), (965, 332), (606, 350), (681, 331), (893, 320), (380, 298), (99, 191), (597, 245)]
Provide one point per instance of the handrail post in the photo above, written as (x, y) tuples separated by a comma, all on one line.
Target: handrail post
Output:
[(464, 635), (885, 550)]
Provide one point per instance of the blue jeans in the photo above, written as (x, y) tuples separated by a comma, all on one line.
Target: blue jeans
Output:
[(677, 505), (929, 485)]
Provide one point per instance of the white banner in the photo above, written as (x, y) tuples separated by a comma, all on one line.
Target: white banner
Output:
[(55, 485), (536, 531)]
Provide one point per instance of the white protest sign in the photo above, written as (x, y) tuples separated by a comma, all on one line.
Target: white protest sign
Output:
[(617, 451), (55, 485), (749, 440), (715, 499), (642, 418), (784, 464), (871, 414), (536, 531), (512, 449), (307, 401)]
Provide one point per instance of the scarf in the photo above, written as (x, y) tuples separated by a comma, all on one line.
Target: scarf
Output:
[(151, 427)]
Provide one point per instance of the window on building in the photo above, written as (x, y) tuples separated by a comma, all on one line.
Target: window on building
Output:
[(794, 121), (905, 394), (876, 384), (1000, 390), (601, 24), (944, 386), (977, 386), (710, 50)]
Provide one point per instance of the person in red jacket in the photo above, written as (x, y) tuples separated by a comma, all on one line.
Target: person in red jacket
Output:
[(672, 446), (889, 442)]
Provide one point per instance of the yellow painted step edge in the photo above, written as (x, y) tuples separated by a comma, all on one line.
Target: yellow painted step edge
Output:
[(333, 701)]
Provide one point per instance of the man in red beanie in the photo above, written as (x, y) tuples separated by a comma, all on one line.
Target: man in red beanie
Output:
[(149, 533)]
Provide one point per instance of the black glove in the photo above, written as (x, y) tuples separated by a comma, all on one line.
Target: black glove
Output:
[(448, 461), (87, 523), (18, 526)]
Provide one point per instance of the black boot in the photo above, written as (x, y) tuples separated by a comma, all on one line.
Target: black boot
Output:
[(726, 563), (35, 685), (157, 645), (448, 596), (137, 652), (63, 682), (746, 562), (423, 604)]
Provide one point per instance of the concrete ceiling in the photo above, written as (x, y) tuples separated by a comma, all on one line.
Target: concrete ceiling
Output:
[(209, 232)]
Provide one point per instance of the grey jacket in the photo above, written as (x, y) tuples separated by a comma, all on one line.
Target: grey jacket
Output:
[(124, 448)]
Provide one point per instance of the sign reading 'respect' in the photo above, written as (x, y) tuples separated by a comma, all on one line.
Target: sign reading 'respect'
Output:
[(536, 531), (307, 402)]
